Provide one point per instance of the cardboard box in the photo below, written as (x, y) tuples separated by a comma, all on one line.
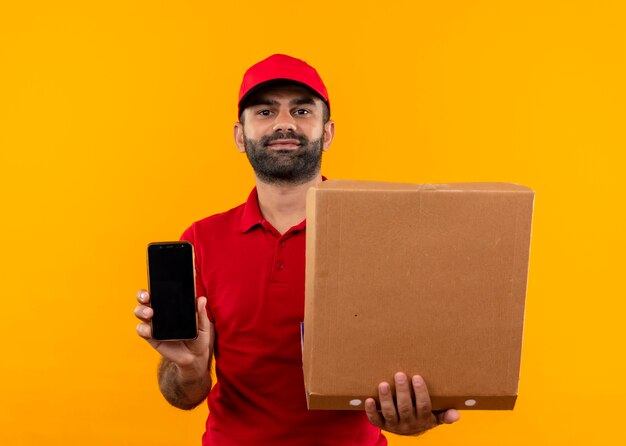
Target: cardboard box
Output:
[(425, 279)]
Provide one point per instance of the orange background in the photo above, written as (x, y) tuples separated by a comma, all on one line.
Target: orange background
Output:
[(116, 130)]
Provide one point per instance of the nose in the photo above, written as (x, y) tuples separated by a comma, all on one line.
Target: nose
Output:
[(284, 121)]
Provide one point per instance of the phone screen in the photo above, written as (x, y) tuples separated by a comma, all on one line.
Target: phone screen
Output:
[(172, 290)]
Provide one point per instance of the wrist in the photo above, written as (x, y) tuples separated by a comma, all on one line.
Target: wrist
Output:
[(194, 371)]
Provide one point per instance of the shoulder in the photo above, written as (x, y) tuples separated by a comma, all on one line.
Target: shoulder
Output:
[(217, 225)]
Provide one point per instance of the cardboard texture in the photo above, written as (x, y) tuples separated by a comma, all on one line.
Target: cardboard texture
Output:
[(426, 279)]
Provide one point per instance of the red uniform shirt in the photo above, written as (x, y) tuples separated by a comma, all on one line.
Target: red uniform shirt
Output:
[(253, 279)]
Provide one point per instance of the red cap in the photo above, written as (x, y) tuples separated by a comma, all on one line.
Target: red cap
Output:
[(280, 67)]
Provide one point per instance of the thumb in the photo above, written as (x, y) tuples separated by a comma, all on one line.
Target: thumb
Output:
[(450, 416), (204, 324)]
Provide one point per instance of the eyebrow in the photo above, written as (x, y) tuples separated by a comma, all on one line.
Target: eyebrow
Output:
[(264, 101), (302, 101)]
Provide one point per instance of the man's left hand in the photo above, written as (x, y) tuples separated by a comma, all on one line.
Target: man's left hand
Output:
[(404, 417)]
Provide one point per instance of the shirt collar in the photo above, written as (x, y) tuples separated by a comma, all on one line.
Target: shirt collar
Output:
[(252, 214)]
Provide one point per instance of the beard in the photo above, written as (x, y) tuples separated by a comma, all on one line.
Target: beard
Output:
[(286, 166)]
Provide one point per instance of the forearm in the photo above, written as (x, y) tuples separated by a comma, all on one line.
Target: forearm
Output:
[(184, 388)]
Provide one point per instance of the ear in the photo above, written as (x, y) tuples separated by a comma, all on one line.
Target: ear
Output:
[(329, 134), (238, 136)]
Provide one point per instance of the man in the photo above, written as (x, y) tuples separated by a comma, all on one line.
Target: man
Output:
[(250, 276)]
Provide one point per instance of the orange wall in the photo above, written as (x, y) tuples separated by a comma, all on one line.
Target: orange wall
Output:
[(99, 99)]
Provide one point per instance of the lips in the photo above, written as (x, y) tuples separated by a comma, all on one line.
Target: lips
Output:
[(284, 144)]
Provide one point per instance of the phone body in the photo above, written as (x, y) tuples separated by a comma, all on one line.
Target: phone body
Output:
[(172, 287)]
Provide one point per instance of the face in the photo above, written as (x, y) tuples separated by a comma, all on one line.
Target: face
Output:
[(283, 133)]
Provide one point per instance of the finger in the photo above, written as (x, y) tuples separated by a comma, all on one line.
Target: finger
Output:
[(449, 416), (206, 333), (387, 407), (143, 297), (403, 398), (372, 413), (422, 400), (204, 324), (143, 313), (144, 330)]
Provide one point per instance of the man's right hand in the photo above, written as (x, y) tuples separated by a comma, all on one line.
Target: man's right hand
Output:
[(184, 372), (190, 355)]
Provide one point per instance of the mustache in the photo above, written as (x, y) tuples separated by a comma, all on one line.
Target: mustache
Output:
[(265, 140)]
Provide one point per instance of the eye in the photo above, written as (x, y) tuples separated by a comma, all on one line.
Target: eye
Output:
[(264, 112), (302, 111)]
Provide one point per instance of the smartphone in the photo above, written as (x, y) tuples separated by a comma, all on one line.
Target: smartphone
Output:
[(172, 286)]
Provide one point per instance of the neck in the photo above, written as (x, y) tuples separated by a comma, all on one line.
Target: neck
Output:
[(284, 205)]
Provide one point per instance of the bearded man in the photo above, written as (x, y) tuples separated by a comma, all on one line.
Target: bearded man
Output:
[(250, 264)]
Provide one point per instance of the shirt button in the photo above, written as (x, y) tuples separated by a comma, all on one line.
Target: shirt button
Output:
[(281, 243), (279, 265)]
